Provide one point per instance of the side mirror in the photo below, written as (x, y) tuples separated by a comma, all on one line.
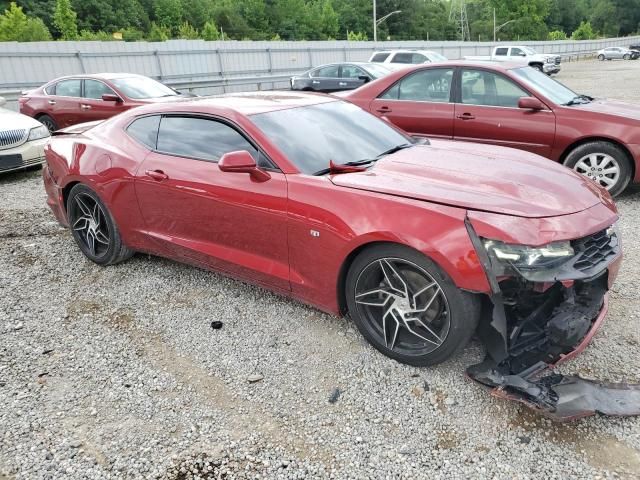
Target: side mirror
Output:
[(364, 78), (3, 101), (110, 97), (242, 162), (530, 103)]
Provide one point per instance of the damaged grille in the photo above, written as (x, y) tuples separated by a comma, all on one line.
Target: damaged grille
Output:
[(594, 250)]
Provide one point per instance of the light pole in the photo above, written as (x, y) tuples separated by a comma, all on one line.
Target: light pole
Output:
[(378, 21), (496, 29)]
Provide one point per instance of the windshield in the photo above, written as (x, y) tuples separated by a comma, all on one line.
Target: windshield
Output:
[(312, 136), (437, 57), (377, 71), (142, 87), (545, 85), (529, 51)]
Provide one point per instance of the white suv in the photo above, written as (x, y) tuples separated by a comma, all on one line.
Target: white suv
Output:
[(22, 140), (396, 59)]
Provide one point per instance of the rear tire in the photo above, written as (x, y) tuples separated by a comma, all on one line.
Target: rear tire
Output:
[(94, 229), (387, 286), (48, 122), (603, 162)]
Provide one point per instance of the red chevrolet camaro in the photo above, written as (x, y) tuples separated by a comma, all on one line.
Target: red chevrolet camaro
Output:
[(421, 244), (514, 106)]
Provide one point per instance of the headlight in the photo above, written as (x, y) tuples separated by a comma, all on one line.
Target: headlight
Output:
[(524, 257), (37, 133)]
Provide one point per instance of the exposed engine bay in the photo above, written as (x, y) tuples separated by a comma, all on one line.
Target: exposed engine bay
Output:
[(537, 317)]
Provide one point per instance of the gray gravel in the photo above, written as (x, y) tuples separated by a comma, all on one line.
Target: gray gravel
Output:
[(116, 372)]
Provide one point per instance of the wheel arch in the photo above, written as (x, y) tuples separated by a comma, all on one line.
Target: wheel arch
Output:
[(617, 143)]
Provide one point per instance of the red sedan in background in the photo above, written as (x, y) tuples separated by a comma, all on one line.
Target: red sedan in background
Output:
[(513, 106), (420, 243), (85, 98)]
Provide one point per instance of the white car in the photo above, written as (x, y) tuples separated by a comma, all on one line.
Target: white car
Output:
[(22, 140), (396, 59), (611, 53), (521, 54)]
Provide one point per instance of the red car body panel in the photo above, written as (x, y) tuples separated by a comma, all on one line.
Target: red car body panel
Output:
[(551, 132), (67, 111), (295, 233)]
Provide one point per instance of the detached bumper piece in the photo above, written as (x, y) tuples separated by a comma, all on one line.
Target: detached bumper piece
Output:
[(533, 321)]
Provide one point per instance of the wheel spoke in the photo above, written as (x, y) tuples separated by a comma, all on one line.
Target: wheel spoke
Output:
[(411, 330), (389, 273), (607, 182), (425, 326), (426, 307), (609, 170), (83, 206), (414, 303), (91, 242), (378, 302), (101, 237), (83, 226)]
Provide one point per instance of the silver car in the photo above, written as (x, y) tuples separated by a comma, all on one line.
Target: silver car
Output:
[(611, 53)]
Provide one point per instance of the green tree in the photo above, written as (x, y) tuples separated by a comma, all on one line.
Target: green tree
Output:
[(168, 13), (356, 36), (158, 33), (210, 31), (557, 35), (603, 18), (583, 32), (16, 26), (187, 32), (95, 36), (64, 18)]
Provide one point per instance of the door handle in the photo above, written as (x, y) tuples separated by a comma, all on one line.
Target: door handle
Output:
[(157, 175), (466, 116), (383, 110), (52, 102), (85, 107), (342, 84), (315, 82)]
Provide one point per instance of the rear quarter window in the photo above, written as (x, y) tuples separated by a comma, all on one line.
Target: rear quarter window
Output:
[(145, 130), (379, 57)]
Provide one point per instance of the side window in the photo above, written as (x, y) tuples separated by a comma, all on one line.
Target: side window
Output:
[(501, 52), (486, 88), (145, 130), (418, 58), (50, 90), (95, 89), (379, 57), (351, 71), (516, 52), (326, 72), (424, 86), (402, 58), (68, 88), (203, 139)]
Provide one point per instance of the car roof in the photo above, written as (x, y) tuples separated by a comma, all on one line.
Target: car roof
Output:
[(404, 50), (98, 76), (249, 103)]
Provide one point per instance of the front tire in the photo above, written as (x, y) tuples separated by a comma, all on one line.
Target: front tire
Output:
[(603, 162), (626, 56), (94, 229), (601, 57), (538, 67), (407, 307)]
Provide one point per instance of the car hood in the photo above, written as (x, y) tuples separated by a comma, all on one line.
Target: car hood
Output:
[(611, 107), (10, 120), (479, 177)]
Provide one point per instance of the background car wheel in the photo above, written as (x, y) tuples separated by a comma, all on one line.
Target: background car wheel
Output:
[(48, 122), (538, 67), (407, 307), (626, 56), (94, 229), (601, 57), (604, 163)]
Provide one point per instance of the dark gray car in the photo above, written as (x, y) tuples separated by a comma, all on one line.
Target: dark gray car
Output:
[(335, 77)]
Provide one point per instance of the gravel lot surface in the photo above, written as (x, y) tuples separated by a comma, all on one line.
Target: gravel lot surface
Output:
[(116, 372)]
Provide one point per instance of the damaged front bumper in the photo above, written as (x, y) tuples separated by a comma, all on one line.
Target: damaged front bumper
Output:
[(536, 318)]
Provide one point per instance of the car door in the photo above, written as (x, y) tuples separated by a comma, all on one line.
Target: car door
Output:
[(200, 214), (486, 111), (92, 106), (352, 76), (63, 104), (420, 103), (326, 79)]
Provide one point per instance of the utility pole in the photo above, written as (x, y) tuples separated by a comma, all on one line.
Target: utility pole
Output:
[(375, 23)]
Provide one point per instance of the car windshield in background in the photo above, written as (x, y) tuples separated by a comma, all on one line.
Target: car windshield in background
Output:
[(377, 71), (545, 85), (142, 87), (437, 57), (312, 136)]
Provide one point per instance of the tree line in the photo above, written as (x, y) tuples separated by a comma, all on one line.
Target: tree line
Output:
[(157, 20)]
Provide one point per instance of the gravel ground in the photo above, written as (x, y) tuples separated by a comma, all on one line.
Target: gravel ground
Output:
[(116, 372)]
